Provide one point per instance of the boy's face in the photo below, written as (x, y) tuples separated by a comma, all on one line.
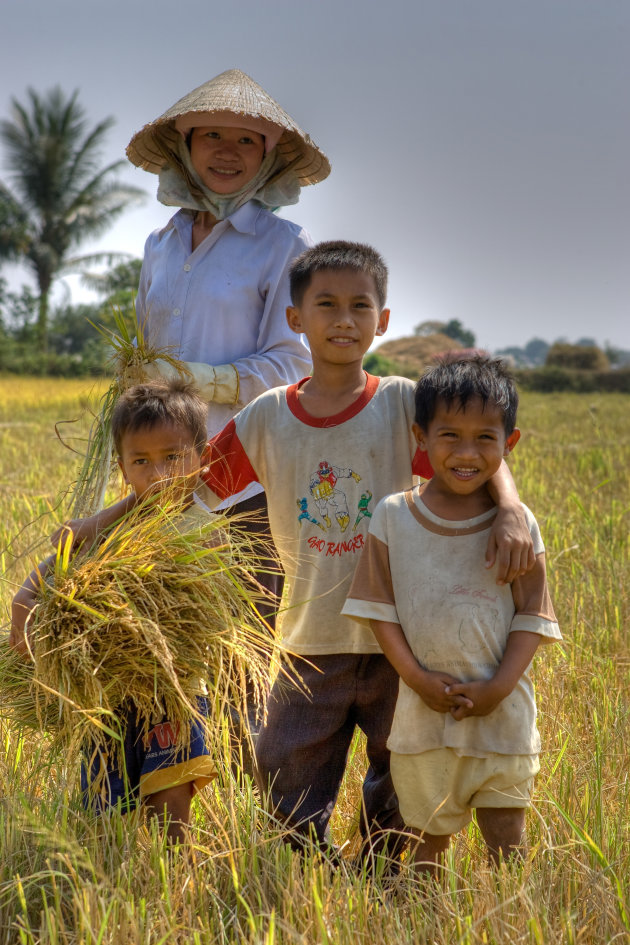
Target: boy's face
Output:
[(226, 158), (159, 458), (340, 315), (465, 447)]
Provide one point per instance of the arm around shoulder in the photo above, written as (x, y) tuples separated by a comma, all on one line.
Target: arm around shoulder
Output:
[(510, 542)]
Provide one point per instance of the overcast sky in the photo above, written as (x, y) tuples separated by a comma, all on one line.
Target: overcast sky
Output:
[(483, 146)]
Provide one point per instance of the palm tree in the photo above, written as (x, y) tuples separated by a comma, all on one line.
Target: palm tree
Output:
[(59, 197)]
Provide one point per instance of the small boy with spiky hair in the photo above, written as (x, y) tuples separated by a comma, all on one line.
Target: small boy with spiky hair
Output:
[(464, 732), (159, 433)]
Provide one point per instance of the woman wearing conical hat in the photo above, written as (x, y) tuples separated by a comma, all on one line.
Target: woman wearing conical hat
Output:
[(214, 286)]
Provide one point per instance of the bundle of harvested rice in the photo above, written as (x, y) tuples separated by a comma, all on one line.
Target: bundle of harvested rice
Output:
[(17, 692), (130, 352), (148, 620)]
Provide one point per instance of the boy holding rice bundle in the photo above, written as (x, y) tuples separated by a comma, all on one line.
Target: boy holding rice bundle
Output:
[(159, 433)]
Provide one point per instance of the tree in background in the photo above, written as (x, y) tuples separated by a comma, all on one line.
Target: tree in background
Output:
[(453, 329), (77, 344), (118, 287), (60, 197), (536, 350), (429, 328)]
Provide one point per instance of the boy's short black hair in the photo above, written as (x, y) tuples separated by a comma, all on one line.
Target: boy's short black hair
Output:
[(336, 255), (456, 380), (175, 402)]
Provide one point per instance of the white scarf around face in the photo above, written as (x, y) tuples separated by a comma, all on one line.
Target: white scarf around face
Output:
[(268, 187)]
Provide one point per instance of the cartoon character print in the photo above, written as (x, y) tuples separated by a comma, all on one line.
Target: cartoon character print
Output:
[(362, 508), (305, 515), (331, 501)]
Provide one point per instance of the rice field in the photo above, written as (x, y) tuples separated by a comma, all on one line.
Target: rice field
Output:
[(65, 879)]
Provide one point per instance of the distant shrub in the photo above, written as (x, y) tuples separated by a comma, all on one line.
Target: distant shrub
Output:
[(614, 380), (22, 359), (578, 357), (547, 379), (552, 378)]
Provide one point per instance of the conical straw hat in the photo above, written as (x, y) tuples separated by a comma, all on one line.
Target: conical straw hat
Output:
[(232, 91)]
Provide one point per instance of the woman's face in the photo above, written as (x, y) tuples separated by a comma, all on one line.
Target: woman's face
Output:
[(226, 158)]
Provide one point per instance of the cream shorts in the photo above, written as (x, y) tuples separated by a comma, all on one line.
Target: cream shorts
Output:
[(438, 789)]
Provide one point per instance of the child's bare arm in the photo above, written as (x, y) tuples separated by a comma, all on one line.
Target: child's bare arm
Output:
[(510, 542), (484, 695), (24, 603), (87, 530), (432, 687)]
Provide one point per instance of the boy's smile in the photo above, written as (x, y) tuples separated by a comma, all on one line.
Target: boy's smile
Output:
[(340, 315), (160, 458), (465, 447), (226, 158)]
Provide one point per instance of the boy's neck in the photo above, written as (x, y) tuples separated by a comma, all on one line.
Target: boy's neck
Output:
[(454, 507), (332, 388)]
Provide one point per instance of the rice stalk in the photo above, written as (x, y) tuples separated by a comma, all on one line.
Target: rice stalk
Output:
[(17, 692), (130, 353)]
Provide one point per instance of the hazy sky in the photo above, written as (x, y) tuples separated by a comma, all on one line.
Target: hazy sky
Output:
[(483, 146)]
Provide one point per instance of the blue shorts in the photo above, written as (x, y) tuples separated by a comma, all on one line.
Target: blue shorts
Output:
[(151, 764)]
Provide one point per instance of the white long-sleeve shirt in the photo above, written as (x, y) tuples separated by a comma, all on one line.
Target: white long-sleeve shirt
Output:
[(225, 303)]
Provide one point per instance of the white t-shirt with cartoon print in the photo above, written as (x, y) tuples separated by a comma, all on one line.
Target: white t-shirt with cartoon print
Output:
[(323, 476)]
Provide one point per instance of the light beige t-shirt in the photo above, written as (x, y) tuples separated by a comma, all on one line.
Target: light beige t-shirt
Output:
[(428, 575)]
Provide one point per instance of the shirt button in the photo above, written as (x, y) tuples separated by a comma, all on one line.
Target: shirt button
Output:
[(177, 311), (187, 267)]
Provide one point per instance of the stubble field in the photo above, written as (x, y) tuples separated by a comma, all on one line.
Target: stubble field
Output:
[(65, 880)]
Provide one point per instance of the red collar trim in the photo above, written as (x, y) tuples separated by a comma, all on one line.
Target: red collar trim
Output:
[(294, 405)]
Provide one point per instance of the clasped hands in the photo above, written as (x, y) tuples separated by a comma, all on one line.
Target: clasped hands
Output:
[(443, 693)]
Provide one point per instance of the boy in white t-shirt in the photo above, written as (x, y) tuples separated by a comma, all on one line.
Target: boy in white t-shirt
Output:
[(464, 732)]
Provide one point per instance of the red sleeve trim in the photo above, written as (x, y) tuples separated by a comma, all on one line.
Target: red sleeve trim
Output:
[(228, 467), (420, 465)]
